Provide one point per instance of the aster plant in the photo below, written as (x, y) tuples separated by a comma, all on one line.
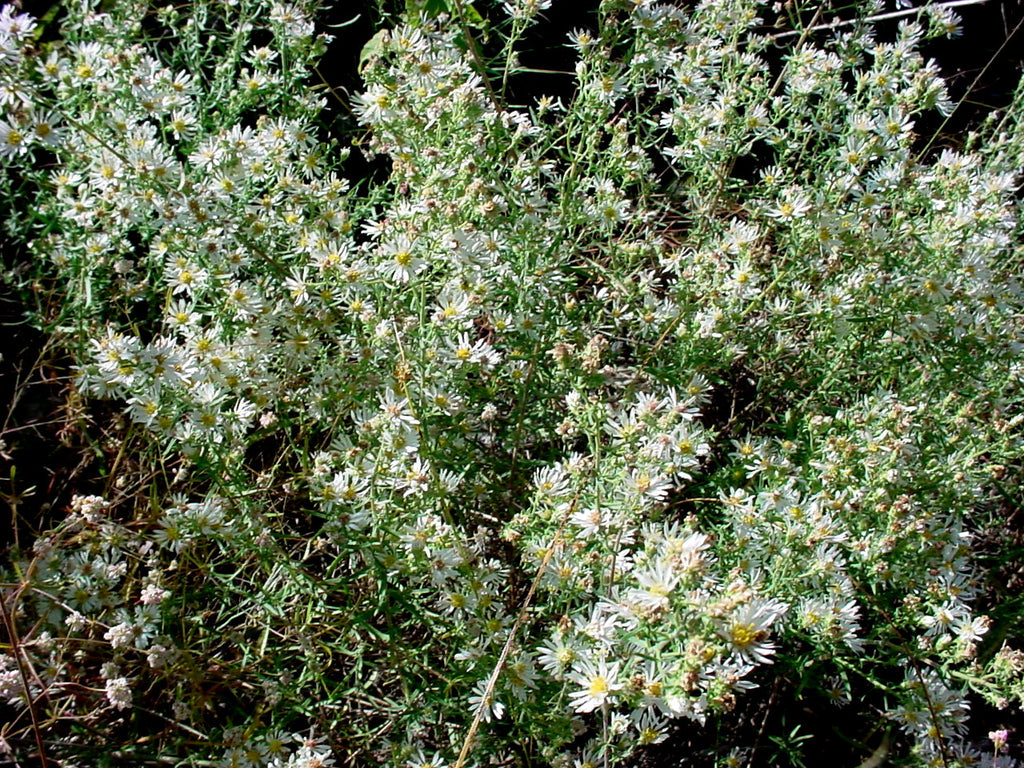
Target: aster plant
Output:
[(587, 420)]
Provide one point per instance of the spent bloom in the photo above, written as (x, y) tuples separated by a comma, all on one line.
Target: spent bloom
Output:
[(999, 738)]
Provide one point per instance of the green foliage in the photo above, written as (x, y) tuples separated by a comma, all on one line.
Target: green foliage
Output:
[(591, 419)]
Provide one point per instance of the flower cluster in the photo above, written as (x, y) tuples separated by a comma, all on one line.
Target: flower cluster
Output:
[(587, 422), (25, 120)]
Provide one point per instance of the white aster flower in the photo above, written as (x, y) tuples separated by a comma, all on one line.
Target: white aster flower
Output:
[(598, 685), (747, 630)]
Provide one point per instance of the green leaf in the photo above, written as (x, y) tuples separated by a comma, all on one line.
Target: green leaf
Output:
[(434, 8), (374, 47), (430, 8)]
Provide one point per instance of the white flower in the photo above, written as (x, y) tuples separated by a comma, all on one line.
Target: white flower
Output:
[(557, 655), (971, 630), (656, 584), (120, 636), (655, 488), (158, 656), (401, 264), (521, 674), (589, 520), (652, 727), (119, 694), (598, 685), (376, 105), (153, 594), (485, 703), (943, 619), (746, 630), (12, 139), (397, 409), (45, 130), (525, 9), (421, 761), (794, 205), (16, 26)]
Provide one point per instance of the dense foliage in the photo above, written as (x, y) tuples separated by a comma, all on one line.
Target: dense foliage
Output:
[(592, 416)]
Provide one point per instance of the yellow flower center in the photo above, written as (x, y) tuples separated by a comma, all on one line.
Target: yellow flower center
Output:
[(744, 635)]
